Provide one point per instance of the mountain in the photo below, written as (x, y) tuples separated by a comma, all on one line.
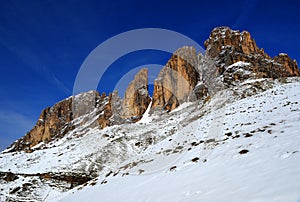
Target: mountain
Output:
[(219, 126)]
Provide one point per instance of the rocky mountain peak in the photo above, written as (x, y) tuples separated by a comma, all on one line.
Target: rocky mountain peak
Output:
[(231, 57), (222, 38), (136, 98), (288, 63), (49, 125), (176, 80), (226, 47)]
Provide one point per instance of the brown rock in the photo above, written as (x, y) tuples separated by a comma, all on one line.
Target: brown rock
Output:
[(223, 37), (136, 99), (105, 111), (226, 47), (288, 63), (176, 80), (9, 177), (48, 126), (54, 122)]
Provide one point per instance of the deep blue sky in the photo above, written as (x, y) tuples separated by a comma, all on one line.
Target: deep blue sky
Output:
[(43, 43)]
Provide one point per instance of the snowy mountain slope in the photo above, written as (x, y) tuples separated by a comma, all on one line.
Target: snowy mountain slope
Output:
[(223, 127), (247, 150), (184, 153)]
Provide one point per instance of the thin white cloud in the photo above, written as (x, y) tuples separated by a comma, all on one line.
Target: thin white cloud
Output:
[(15, 118), (29, 58), (13, 125), (60, 85), (245, 12)]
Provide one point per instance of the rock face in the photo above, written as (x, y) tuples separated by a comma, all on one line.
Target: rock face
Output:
[(288, 63), (223, 37), (231, 57), (88, 108), (85, 103), (200, 91), (104, 110), (48, 126), (54, 122), (109, 109), (226, 47), (176, 80), (136, 99), (115, 103)]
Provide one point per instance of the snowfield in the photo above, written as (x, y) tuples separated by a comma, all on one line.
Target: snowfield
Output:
[(222, 149)]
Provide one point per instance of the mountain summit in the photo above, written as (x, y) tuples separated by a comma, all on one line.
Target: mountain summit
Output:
[(226, 47), (231, 56), (205, 110)]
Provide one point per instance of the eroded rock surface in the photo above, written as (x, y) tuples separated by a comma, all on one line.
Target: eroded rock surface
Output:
[(176, 80), (226, 47), (137, 98)]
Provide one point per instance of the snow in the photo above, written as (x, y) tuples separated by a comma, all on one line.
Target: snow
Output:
[(265, 124), (270, 171), (283, 54), (182, 106), (239, 64), (146, 117), (252, 81)]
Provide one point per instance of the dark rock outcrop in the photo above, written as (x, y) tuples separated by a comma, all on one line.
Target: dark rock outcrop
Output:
[(200, 91)]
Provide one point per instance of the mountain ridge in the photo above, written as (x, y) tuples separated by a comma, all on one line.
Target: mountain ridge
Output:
[(177, 80), (90, 138)]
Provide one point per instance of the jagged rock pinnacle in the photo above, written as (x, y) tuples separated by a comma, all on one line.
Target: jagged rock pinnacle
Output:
[(176, 80), (136, 99), (226, 47)]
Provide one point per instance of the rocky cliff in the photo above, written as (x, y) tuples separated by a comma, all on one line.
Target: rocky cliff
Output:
[(226, 47), (231, 57), (54, 122), (49, 125), (137, 98), (176, 80)]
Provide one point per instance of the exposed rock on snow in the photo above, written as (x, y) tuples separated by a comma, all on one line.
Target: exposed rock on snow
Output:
[(226, 47), (229, 132)]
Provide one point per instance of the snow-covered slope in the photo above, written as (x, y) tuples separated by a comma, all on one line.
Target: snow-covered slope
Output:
[(219, 149), (254, 157)]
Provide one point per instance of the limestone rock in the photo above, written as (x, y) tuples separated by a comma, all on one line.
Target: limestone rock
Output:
[(231, 57), (85, 103), (226, 47), (136, 99), (200, 91), (222, 38), (105, 111), (176, 80), (116, 108), (288, 63), (54, 122), (48, 126)]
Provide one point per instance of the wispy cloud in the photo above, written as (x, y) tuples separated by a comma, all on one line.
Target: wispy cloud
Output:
[(13, 125), (247, 8), (29, 57)]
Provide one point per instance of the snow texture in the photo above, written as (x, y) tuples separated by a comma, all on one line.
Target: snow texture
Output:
[(225, 149)]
